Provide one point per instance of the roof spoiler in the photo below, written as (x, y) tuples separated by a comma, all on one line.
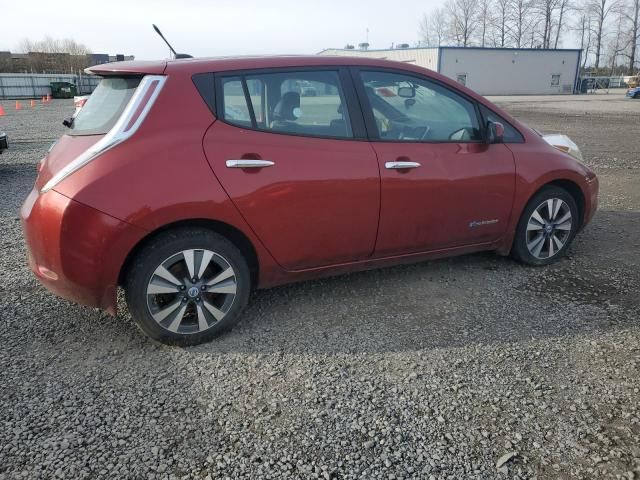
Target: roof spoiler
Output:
[(133, 67)]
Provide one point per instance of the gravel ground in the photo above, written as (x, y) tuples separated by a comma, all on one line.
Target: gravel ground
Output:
[(472, 367)]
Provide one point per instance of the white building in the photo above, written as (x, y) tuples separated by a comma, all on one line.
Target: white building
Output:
[(491, 71)]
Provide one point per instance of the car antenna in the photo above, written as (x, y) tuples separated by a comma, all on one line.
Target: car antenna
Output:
[(175, 54)]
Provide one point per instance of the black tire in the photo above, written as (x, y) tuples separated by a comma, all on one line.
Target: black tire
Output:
[(165, 247), (520, 251)]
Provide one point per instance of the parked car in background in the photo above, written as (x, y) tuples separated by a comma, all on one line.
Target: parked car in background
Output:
[(633, 92), (191, 182)]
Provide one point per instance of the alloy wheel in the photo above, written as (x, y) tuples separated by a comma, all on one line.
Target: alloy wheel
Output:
[(191, 291), (549, 228)]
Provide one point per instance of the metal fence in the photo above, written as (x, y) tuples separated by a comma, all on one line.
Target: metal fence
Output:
[(27, 85)]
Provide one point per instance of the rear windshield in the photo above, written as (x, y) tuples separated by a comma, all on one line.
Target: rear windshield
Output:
[(104, 106)]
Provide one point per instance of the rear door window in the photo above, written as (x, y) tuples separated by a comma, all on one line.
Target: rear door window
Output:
[(298, 103), (104, 106)]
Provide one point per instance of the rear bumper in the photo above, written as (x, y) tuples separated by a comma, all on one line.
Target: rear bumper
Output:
[(74, 250)]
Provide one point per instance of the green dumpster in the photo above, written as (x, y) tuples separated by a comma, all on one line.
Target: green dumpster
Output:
[(63, 90)]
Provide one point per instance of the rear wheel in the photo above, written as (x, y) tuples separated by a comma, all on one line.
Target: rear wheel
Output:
[(187, 286), (547, 227)]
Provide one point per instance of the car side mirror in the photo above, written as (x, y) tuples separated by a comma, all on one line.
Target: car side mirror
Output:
[(495, 132), (406, 92)]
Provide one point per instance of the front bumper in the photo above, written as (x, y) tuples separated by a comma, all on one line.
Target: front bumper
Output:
[(591, 200), (75, 250)]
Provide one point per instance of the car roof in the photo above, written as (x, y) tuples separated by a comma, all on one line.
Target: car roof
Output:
[(220, 64), (191, 66)]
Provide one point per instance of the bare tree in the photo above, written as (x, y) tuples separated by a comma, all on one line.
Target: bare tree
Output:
[(583, 29), (424, 30), (546, 10), (563, 7), (629, 11), (500, 22), (432, 28), (600, 10), (485, 20), (618, 44), (462, 22), (523, 21), (59, 55)]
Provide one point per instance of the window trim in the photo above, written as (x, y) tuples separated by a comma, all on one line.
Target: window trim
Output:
[(356, 119), (484, 120), (205, 84), (219, 99), (367, 110)]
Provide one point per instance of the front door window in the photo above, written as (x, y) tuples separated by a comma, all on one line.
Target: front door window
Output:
[(407, 108)]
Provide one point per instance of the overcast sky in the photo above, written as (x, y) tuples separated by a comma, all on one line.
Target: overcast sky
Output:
[(214, 27)]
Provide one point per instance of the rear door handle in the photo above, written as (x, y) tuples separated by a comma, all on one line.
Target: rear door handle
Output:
[(249, 163), (401, 165)]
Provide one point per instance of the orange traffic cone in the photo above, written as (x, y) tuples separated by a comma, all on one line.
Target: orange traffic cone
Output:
[(18, 105), (1, 111), (33, 103)]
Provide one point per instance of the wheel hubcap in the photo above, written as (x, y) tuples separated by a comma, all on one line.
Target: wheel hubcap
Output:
[(191, 291), (548, 228)]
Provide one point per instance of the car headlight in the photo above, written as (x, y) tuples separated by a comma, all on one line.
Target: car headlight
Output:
[(564, 144)]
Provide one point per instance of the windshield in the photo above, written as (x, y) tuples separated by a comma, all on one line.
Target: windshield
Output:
[(104, 106)]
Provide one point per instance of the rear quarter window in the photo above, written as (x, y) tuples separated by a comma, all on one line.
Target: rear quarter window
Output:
[(104, 106)]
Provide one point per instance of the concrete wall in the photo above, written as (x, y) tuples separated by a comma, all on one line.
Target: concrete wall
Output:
[(423, 57), (512, 72)]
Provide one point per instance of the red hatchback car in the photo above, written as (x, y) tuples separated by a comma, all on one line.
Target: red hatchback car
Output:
[(190, 182)]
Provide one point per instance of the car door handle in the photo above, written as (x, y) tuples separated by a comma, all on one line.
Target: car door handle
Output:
[(401, 165), (249, 163)]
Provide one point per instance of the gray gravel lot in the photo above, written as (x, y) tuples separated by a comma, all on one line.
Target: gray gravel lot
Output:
[(472, 367)]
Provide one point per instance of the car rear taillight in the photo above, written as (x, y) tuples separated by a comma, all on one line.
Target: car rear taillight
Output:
[(128, 123)]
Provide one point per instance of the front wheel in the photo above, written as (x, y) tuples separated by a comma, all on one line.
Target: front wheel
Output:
[(187, 286), (547, 227)]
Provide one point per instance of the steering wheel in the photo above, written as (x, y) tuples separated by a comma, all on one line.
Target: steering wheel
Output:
[(410, 133)]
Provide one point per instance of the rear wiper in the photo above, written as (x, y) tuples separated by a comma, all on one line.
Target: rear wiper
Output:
[(68, 122)]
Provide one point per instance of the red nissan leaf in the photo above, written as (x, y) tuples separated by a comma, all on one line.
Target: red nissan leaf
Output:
[(191, 182)]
